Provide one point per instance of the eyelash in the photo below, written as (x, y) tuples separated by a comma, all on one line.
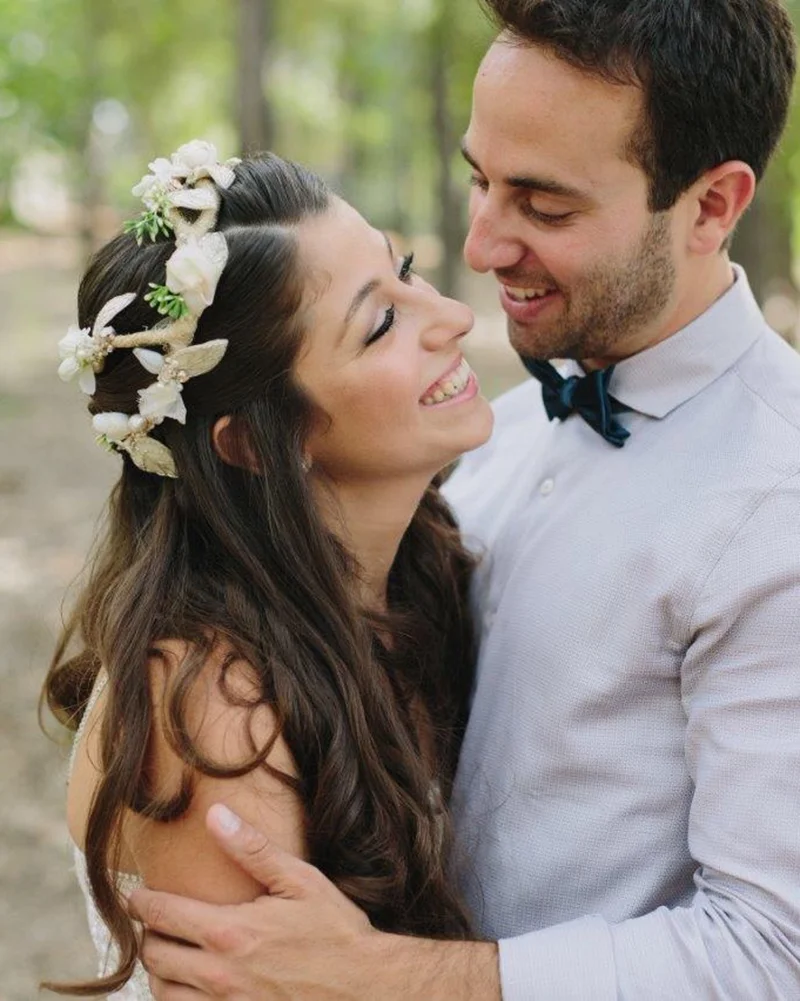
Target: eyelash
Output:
[(405, 275), (528, 210), (406, 269), (544, 217)]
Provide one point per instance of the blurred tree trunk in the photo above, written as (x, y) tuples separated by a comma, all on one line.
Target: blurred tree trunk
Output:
[(354, 94), (449, 223), (403, 54), (92, 182), (763, 240), (255, 113), (354, 161)]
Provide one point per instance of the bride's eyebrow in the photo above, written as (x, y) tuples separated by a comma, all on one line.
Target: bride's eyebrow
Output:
[(366, 290)]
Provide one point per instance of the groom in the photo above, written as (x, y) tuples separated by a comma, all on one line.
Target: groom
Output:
[(628, 797)]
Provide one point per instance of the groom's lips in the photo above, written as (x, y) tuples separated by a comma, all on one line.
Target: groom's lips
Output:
[(530, 309)]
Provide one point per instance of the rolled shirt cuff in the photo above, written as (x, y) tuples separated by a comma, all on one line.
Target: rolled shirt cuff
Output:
[(568, 962)]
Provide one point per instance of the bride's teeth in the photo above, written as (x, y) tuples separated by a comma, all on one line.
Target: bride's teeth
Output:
[(453, 385)]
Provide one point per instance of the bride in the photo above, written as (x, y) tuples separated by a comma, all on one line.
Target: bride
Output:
[(275, 618)]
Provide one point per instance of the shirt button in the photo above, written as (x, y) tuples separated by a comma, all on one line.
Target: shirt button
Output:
[(547, 487)]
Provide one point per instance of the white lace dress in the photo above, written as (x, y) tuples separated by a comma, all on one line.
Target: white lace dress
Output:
[(136, 989)]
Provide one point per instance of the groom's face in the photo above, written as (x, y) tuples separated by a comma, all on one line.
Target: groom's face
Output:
[(559, 208)]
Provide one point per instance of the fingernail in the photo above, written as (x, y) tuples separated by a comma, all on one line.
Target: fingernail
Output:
[(226, 820)]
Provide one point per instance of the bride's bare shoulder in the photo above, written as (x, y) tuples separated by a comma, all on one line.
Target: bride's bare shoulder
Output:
[(224, 718)]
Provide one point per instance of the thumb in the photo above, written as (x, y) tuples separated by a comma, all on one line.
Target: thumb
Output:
[(281, 874)]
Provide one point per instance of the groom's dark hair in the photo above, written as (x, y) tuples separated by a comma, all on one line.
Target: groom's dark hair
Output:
[(716, 75)]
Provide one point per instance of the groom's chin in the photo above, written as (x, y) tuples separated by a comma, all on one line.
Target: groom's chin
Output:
[(530, 343)]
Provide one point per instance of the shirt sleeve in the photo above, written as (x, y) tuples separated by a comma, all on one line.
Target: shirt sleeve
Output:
[(739, 939)]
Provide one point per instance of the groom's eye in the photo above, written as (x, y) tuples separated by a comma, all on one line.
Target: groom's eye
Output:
[(548, 218)]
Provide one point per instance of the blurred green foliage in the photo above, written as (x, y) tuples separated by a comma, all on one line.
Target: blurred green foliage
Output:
[(105, 87), (361, 90)]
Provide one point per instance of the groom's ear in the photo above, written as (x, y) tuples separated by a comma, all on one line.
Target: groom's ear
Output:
[(717, 202)]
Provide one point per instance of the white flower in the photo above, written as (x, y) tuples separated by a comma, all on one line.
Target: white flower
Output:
[(83, 354), (162, 400), (154, 187), (189, 164), (78, 352), (144, 187), (198, 159), (163, 170), (195, 154), (194, 270), (113, 426)]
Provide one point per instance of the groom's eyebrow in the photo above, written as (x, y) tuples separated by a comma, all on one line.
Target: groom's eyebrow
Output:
[(542, 185)]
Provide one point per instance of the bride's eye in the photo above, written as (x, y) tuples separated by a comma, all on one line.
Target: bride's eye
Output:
[(384, 328), (405, 274)]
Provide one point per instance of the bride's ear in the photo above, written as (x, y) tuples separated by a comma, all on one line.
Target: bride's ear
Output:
[(232, 445)]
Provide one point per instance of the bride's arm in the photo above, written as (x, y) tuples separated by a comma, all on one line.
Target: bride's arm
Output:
[(181, 856)]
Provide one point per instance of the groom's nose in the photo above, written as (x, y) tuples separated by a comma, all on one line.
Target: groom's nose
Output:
[(492, 244)]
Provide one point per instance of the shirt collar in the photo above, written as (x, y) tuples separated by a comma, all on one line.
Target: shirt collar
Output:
[(657, 381)]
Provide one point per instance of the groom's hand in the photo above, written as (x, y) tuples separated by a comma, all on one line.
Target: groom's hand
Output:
[(273, 947), (303, 940)]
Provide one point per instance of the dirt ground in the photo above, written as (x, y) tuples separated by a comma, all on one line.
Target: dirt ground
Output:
[(53, 483)]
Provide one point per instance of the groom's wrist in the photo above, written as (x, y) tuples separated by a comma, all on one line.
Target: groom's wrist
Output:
[(413, 969)]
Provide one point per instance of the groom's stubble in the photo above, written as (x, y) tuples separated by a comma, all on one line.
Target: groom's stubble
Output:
[(613, 303)]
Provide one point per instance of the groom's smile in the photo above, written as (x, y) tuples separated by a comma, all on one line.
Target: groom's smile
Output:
[(559, 207), (525, 305)]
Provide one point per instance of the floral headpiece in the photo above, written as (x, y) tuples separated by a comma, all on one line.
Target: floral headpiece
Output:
[(189, 180)]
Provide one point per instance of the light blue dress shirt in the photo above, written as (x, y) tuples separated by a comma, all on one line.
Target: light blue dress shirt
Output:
[(628, 798)]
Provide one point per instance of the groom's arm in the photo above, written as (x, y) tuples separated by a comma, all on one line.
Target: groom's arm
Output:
[(305, 940), (738, 939)]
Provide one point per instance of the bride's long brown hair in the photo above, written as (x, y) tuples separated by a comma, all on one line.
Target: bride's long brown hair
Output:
[(223, 554)]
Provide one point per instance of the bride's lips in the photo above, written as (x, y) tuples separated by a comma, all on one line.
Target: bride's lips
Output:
[(528, 310)]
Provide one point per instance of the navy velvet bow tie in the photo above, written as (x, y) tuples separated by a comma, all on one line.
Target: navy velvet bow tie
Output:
[(585, 395)]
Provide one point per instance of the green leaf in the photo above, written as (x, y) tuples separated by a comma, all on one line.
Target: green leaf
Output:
[(149, 224), (105, 442), (167, 302)]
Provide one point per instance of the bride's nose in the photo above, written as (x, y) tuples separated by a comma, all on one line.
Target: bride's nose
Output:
[(449, 320)]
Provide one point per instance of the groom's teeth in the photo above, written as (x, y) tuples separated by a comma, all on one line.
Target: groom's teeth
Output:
[(451, 385), (526, 294)]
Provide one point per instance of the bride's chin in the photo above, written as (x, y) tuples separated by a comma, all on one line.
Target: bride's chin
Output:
[(481, 425), (473, 436)]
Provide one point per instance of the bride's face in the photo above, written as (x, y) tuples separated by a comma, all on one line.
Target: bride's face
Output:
[(382, 358)]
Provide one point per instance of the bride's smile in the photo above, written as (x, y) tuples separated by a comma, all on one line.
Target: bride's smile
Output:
[(383, 359)]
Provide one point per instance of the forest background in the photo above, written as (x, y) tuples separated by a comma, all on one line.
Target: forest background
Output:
[(375, 95)]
